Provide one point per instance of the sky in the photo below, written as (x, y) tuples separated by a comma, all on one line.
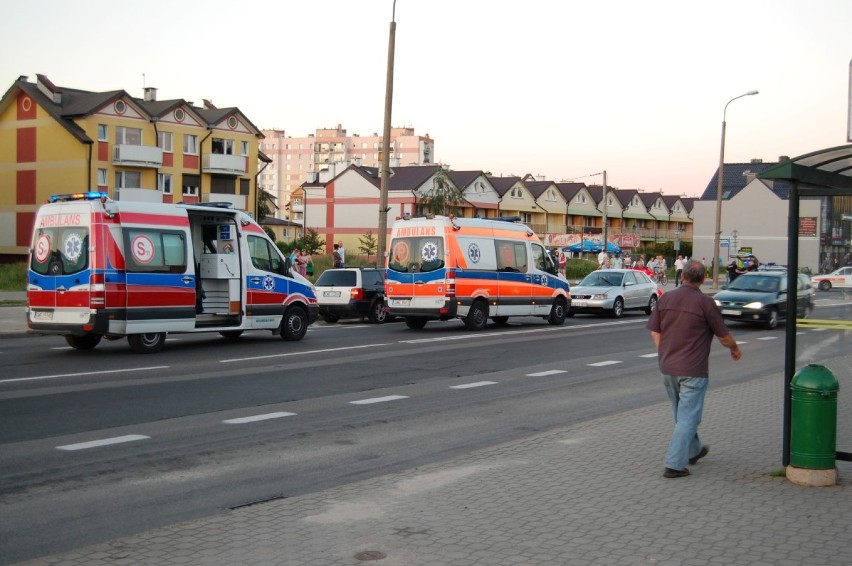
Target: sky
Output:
[(564, 89)]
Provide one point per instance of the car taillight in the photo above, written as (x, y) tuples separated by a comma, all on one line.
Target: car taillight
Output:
[(450, 283), (97, 291), (356, 294)]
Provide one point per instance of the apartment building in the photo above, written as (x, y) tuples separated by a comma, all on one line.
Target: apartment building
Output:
[(296, 160), (65, 140)]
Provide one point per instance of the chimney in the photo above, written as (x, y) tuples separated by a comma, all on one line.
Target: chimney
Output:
[(49, 89), (783, 158), (150, 94)]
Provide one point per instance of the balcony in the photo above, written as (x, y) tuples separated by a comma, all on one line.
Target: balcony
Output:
[(137, 156), (221, 164)]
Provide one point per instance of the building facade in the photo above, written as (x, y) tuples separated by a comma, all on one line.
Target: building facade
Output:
[(296, 160), (65, 140)]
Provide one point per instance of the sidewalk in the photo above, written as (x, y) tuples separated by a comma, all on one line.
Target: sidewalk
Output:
[(586, 494)]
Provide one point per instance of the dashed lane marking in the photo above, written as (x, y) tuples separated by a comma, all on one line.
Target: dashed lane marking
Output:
[(58, 375), (378, 400), (475, 384), (290, 354), (768, 338), (606, 363), (654, 355), (103, 442), (256, 418), (548, 372)]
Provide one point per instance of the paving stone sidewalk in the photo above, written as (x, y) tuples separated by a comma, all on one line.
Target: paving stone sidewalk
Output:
[(586, 494)]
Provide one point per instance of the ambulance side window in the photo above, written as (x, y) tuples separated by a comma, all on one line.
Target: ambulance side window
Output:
[(511, 255), (151, 250), (264, 255), (542, 259)]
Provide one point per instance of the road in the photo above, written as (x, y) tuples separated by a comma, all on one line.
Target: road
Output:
[(106, 443)]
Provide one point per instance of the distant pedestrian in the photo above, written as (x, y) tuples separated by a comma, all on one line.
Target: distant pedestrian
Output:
[(336, 260), (342, 253), (682, 327), (679, 263)]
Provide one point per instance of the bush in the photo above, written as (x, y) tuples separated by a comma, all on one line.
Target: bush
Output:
[(578, 268), (13, 277)]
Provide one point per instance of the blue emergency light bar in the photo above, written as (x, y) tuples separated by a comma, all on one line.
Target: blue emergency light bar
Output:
[(88, 195)]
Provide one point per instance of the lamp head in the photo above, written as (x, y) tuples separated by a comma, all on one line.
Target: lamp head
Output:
[(752, 92)]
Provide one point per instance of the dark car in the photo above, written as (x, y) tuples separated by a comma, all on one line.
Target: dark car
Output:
[(760, 297), (352, 292)]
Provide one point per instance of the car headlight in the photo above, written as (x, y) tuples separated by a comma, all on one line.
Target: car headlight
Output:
[(600, 296), (754, 305), (718, 302)]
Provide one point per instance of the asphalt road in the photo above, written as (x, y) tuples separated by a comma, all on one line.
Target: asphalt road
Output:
[(106, 443)]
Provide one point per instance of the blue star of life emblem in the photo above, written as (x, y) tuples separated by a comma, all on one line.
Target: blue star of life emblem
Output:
[(269, 283), (73, 247), (429, 251), (474, 253)]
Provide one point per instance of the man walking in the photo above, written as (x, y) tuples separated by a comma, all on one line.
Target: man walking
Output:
[(679, 263), (683, 326)]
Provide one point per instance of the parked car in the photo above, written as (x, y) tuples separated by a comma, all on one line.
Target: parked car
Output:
[(612, 291), (838, 278), (760, 297), (352, 292)]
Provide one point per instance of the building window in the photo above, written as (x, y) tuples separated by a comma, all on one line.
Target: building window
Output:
[(164, 183), (164, 141), (223, 147), (102, 177), (190, 185), (128, 136), (128, 179), (103, 134), (190, 144), (244, 148)]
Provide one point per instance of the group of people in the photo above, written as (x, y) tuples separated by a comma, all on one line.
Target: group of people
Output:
[(653, 267), (302, 262)]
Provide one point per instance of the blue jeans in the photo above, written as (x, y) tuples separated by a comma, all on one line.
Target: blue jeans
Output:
[(687, 397)]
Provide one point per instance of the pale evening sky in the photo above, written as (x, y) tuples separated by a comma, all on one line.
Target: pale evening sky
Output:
[(557, 88)]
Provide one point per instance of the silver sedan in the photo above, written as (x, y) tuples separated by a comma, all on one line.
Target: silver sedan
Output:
[(612, 291)]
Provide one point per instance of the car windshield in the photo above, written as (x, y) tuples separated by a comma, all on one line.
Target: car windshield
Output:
[(602, 278), (416, 254), (755, 283)]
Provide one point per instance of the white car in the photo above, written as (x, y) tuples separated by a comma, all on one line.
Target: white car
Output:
[(838, 278)]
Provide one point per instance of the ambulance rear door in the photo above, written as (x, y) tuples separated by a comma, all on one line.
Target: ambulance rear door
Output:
[(417, 272), (58, 289)]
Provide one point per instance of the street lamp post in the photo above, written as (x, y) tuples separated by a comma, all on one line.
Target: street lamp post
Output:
[(720, 180), (385, 173)]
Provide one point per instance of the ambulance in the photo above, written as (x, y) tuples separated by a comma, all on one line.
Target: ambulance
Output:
[(443, 267), (103, 269)]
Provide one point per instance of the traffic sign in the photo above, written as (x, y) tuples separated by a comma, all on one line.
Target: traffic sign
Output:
[(724, 242)]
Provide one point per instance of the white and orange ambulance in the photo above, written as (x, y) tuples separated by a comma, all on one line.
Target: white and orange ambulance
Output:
[(444, 267), (110, 269)]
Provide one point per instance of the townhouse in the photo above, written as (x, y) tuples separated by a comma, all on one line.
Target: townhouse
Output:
[(66, 140)]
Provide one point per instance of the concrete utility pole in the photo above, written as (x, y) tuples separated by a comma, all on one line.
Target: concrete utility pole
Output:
[(385, 173), (603, 233)]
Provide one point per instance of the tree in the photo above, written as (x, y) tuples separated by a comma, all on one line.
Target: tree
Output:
[(368, 244), (264, 204), (311, 241), (443, 198)]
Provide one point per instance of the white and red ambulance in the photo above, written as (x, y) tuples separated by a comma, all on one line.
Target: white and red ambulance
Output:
[(110, 269)]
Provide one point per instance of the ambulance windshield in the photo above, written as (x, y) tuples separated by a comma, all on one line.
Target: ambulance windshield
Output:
[(416, 254)]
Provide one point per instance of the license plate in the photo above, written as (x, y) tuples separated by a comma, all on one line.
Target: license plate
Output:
[(732, 312), (331, 293), (401, 302), (579, 303), (42, 315)]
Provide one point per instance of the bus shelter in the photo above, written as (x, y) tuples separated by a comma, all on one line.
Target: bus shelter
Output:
[(825, 174)]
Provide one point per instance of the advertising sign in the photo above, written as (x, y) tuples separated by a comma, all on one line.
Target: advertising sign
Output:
[(808, 226)]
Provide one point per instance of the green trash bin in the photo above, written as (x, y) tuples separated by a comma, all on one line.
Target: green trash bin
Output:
[(813, 426)]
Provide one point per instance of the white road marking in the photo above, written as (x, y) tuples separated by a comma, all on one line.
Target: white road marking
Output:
[(103, 442), (607, 363), (58, 375), (474, 335), (301, 353), (548, 372), (768, 338), (654, 355), (741, 342), (475, 384), (819, 329), (255, 418), (378, 400)]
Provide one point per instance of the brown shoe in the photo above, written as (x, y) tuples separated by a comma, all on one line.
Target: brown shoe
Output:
[(704, 450), (670, 473)]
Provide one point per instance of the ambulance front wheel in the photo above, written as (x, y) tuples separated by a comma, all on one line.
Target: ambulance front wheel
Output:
[(149, 343), (558, 312), (477, 316), (86, 342), (294, 325)]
